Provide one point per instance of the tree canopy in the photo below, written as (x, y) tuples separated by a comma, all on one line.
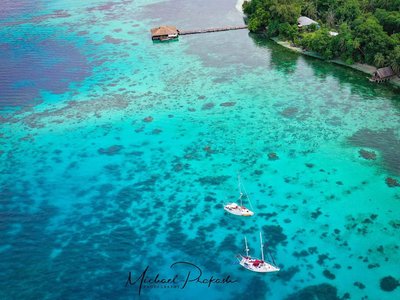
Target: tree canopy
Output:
[(368, 30)]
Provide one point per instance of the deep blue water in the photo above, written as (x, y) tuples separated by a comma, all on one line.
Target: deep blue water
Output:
[(117, 153)]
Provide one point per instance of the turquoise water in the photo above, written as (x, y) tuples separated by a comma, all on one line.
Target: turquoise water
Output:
[(117, 153)]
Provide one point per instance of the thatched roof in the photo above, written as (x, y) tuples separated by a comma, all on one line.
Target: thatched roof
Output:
[(305, 21), (384, 72), (164, 30)]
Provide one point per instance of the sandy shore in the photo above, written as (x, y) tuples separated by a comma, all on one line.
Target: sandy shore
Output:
[(367, 69)]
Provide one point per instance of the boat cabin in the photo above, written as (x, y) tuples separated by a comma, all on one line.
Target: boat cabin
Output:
[(382, 74), (164, 33)]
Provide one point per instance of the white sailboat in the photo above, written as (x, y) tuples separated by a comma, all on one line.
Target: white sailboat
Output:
[(255, 264), (239, 209)]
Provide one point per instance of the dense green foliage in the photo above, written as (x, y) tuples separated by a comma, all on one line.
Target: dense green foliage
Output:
[(368, 30)]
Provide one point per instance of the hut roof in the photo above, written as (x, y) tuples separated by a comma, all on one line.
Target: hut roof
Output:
[(385, 72), (164, 30), (305, 21)]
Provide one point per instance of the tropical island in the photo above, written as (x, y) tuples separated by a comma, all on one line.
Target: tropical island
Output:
[(345, 31)]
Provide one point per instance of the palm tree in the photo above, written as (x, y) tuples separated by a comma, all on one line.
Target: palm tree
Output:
[(395, 66), (379, 60), (394, 59), (330, 19), (310, 10)]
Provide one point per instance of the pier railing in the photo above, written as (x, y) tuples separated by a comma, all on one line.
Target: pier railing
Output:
[(197, 31)]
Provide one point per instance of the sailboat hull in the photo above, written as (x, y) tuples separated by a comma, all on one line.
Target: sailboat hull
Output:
[(257, 265), (237, 210)]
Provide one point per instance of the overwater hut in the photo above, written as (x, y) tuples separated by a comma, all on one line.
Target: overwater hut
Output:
[(164, 33), (382, 74), (305, 21)]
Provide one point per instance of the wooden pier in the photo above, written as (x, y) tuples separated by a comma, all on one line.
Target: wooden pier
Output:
[(198, 31)]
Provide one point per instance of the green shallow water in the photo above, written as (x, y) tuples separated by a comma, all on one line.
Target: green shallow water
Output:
[(118, 153)]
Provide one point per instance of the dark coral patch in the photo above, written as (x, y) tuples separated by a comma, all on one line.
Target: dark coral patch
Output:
[(208, 149), (315, 214), (337, 266), (360, 285), (228, 244), (313, 250), (369, 155), (75, 110), (391, 182), (328, 274), (57, 14), (148, 119), (372, 266), (227, 104), (111, 40), (208, 106), (389, 283), (82, 32), (29, 74), (178, 167), (385, 141), (322, 258), (218, 206), (273, 156), (302, 253), (213, 180), (346, 296), (259, 292), (110, 150), (287, 274), (156, 131), (268, 215), (209, 199), (289, 112), (274, 235), (321, 292), (102, 7)]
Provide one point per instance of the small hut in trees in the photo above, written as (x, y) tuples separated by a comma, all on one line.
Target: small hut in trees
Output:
[(305, 21), (382, 74)]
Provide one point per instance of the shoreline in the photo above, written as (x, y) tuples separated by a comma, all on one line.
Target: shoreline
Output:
[(366, 69)]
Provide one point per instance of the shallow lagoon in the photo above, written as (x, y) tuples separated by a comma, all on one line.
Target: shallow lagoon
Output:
[(117, 153)]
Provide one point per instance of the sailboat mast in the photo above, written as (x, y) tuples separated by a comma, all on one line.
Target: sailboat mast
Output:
[(247, 248), (240, 191), (262, 250)]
